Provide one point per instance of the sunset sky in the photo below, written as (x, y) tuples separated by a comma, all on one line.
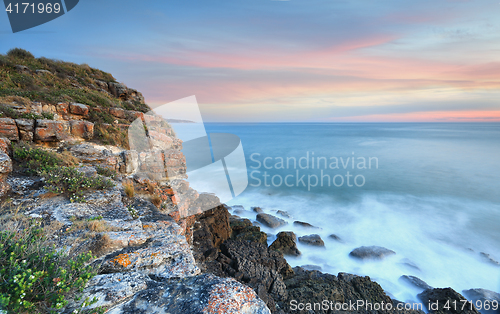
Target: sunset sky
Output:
[(297, 60)]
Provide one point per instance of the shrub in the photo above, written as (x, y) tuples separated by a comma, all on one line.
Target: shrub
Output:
[(156, 200), (106, 172), (35, 277), (133, 212), (20, 53), (37, 160), (128, 186), (73, 183)]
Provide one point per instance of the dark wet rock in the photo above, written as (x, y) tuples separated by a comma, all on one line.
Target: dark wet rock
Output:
[(484, 297), (304, 224), (442, 297), (244, 229), (258, 210), (410, 264), (283, 213), (196, 295), (270, 220), (312, 239), (371, 252), (335, 237), (285, 243), (314, 287), (311, 267), (487, 258), (415, 281)]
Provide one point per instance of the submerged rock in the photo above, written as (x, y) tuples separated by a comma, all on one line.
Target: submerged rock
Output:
[(258, 210), (283, 213), (204, 294), (487, 258), (312, 239), (270, 220), (415, 281), (304, 224), (484, 297), (286, 243), (371, 252)]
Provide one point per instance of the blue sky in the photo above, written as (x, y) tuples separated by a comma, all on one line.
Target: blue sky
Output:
[(290, 60)]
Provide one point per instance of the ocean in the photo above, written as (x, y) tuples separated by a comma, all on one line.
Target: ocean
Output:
[(428, 191)]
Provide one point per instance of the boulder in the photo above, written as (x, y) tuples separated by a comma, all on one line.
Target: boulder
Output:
[(285, 243), (204, 294), (117, 112), (118, 90), (62, 108), (304, 224), (8, 129), (270, 220), (258, 210), (484, 297), (312, 239), (83, 129), (79, 109), (26, 128), (415, 281), (371, 252), (445, 297), (244, 230), (51, 131), (5, 146)]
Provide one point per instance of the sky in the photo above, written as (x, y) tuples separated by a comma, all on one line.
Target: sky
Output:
[(296, 60)]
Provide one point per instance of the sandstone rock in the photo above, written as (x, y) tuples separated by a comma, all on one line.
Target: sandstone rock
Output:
[(312, 239), (23, 69), (118, 90), (26, 128), (5, 146), (83, 129), (285, 243), (442, 297), (304, 224), (103, 85), (44, 72), (117, 112), (8, 129), (5, 169), (79, 109), (51, 131), (204, 294), (166, 255), (371, 252), (270, 220), (112, 289), (160, 141), (131, 161), (94, 154), (62, 108), (5, 164), (132, 115), (415, 281)]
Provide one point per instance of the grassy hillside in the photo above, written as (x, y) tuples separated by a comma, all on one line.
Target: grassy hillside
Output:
[(52, 81)]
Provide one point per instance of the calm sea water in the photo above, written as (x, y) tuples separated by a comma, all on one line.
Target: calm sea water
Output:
[(431, 193)]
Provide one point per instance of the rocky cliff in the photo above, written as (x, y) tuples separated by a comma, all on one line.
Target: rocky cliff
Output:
[(155, 251)]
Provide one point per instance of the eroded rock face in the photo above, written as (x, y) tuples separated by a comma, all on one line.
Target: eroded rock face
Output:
[(83, 129), (26, 128), (204, 294), (5, 146), (442, 297), (79, 109), (8, 129), (5, 169), (51, 131), (371, 252)]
